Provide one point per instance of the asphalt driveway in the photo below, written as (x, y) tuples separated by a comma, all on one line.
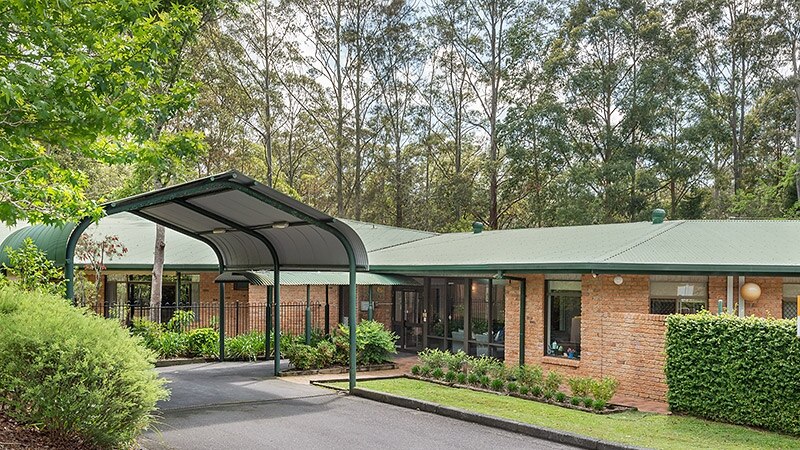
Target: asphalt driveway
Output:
[(240, 406)]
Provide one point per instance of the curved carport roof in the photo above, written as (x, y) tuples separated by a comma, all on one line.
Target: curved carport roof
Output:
[(249, 226)]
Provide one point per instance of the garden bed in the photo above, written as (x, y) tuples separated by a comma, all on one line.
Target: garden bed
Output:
[(338, 369), (611, 408)]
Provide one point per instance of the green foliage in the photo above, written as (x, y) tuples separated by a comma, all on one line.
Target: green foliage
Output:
[(425, 371), (588, 402), (603, 390), (247, 346), (473, 378), (181, 321), (303, 357), (512, 386), (203, 342), (536, 391), (433, 357), (73, 75), (524, 390), (374, 343), (486, 365), (580, 386), (149, 331), (171, 344), (529, 375), (69, 372), (32, 270), (450, 376), (461, 377), (416, 369), (437, 373), (552, 382), (484, 381), (497, 384), (561, 397), (576, 401), (599, 404), (737, 370)]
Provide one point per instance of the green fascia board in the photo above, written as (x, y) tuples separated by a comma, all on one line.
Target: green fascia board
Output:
[(597, 268)]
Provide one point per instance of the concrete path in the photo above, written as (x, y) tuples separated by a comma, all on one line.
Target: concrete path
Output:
[(240, 406)]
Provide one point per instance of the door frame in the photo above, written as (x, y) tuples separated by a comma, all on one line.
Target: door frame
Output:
[(404, 325)]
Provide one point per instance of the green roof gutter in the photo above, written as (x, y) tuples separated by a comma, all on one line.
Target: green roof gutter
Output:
[(599, 268)]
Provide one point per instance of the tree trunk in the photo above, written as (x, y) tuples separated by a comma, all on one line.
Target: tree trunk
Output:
[(156, 282)]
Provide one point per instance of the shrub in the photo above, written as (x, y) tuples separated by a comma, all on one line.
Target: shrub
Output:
[(456, 362), (529, 375), (425, 371), (303, 356), (73, 373), (461, 377), (484, 381), (473, 378), (548, 395), (150, 332), (524, 390), (575, 401), (415, 369), (374, 343), (450, 376), (603, 390), (433, 358), (181, 321), (512, 387), (552, 382), (171, 344), (561, 397), (536, 391), (498, 384), (203, 342), (437, 373), (32, 270), (580, 386), (738, 370), (485, 365), (588, 402), (248, 346), (599, 404)]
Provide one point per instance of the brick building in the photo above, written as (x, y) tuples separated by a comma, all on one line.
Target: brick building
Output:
[(579, 300)]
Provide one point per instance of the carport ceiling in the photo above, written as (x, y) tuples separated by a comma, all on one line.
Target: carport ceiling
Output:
[(240, 217)]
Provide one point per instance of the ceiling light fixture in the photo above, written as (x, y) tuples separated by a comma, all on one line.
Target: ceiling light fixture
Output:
[(280, 225), (219, 231)]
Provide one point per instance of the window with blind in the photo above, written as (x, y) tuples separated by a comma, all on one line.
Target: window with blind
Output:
[(678, 296)]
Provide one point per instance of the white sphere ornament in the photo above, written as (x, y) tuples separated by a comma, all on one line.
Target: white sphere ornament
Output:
[(750, 292)]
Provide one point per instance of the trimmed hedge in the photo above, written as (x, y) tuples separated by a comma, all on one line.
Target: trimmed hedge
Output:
[(71, 372), (738, 370)]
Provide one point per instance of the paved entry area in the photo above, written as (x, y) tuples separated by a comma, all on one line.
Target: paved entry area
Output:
[(240, 406)]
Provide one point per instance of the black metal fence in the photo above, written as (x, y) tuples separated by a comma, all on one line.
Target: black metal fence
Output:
[(240, 318)]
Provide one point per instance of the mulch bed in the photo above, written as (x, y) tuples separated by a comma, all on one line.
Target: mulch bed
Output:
[(337, 370), (14, 436)]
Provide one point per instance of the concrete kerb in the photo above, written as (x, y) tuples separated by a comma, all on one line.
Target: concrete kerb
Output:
[(561, 437)]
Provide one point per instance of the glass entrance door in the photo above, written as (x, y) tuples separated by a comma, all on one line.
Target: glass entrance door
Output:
[(407, 318)]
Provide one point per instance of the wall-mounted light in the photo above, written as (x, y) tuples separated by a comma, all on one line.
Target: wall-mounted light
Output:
[(750, 292), (280, 225), (618, 280), (219, 230)]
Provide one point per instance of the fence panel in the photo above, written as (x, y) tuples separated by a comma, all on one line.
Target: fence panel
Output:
[(240, 318)]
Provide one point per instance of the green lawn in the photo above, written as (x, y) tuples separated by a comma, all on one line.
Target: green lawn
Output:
[(637, 428)]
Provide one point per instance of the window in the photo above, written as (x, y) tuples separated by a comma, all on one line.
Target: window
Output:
[(678, 296), (790, 293), (563, 315)]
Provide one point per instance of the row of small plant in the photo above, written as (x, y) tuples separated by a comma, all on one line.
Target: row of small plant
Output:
[(374, 344), (527, 380), (176, 339)]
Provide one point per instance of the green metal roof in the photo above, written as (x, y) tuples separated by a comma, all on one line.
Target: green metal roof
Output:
[(301, 278), (702, 246), (50, 239), (377, 237)]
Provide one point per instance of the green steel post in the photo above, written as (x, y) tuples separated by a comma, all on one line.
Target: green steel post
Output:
[(221, 320), (276, 292), (353, 317), (69, 262), (719, 307), (327, 312), (308, 314), (371, 307), (268, 323)]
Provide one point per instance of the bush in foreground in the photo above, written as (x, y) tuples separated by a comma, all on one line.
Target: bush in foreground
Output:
[(71, 372)]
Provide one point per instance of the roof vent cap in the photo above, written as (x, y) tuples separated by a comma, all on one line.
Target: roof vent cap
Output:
[(658, 216), (477, 227)]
